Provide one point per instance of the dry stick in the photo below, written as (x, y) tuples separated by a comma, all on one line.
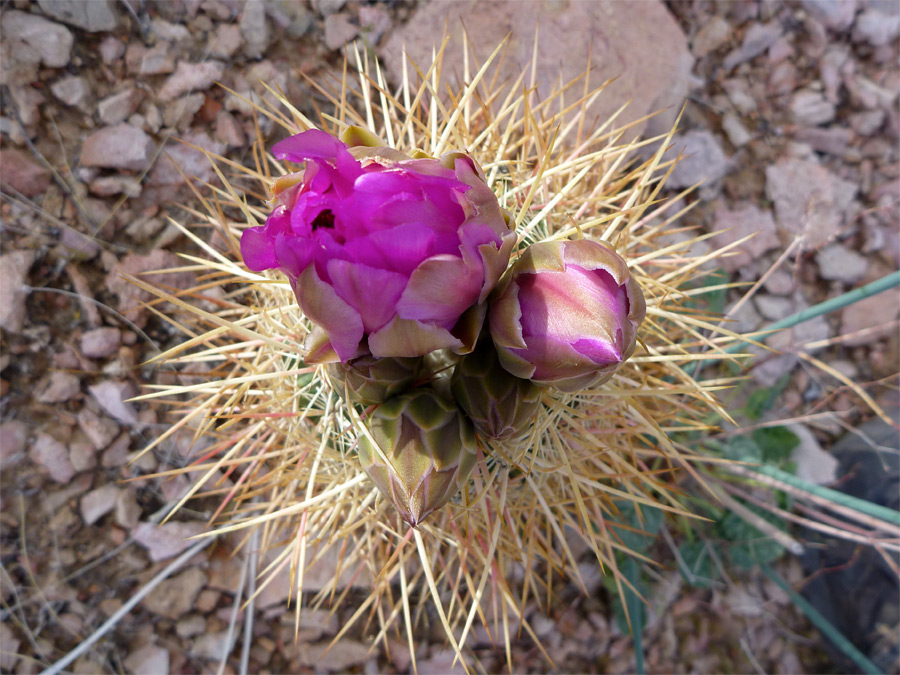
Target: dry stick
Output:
[(759, 522), (251, 595), (110, 623)]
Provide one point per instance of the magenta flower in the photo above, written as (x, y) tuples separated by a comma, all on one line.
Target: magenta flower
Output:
[(567, 315), (384, 253)]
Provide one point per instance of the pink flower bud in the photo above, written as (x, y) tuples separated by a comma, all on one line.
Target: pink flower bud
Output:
[(567, 315)]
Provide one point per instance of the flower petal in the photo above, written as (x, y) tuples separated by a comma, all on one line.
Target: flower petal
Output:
[(322, 305), (372, 292), (402, 337), (440, 290)]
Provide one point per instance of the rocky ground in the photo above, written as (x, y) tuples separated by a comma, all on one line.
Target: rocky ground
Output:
[(792, 121)]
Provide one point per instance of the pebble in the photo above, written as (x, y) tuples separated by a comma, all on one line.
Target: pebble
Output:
[(117, 452), (374, 22), (189, 77), (13, 439), (837, 15), (779, 282), (82, 456), (216, 646), (830, 140), (839, 263), (876, 28), (53, 456), (147, 659), (180, 113), (94, 16), (225, 41), (97, 503), (59, 388), (352, 653), (100, 430), (875, 312), (758, 38), (738, 92), (34, 38), (14, 268), (744, 220), (190, 625), (702, 159), (111, 397), (73, 91), (23, 173), (773, 307), (712, 35), (809, 108), (172, 32), (108, 186), (175, 597), (339, 30), (131, 298), (118, 147), (868, 122), (9, 648), (111, 49), (228, 131), (814, 464), (101, 342), (735, 130), (254, 28), (117, 108), (167, 540), (154, 61), (128, 511)]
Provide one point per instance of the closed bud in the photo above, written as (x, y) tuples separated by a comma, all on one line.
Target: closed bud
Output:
[(370, 380), (427, 452), (499, 404), (568, 314)]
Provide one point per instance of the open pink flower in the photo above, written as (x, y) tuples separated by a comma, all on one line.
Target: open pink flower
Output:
[(567, 315), (385, 253)]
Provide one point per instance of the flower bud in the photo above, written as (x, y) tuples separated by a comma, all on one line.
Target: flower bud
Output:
[(370, 380), (567, 315), (427, 452), (499, 404), (384, 252)]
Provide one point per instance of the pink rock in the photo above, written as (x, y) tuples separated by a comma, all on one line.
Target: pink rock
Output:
[(128, 511), (111, 397), (118, 107), (111, 49), (877, 312), (60, 387), (225, 41), (176, 596), (97, 503), (82, 456), (228, 131), (119, 147), (9, 648), (147, 659), (132, 298), (52, 455), (191, 161), (21, 172), (758, 38), (101, 342), (652, 73), (167, 540), (100, 430), (14, 268), (48, 42), (71, 90), (339, 30), (13, 436), (117, 452), (735, 224), (714, 33), (189, 77), (702, 159), (835, 14)]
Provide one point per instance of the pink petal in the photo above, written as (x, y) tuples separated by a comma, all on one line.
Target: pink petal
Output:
[(440, 290), (372, 292), (323, 306)]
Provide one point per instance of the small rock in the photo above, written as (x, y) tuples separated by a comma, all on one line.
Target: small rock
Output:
[(339, 30), (740, 222), (14, 268), (97, 503), (773, 307), (154, 61), (702, 160), (216, 646), (144, 229), (738, 92), (9, 648), (440, 661), (810, 108), (167, 540), (100, 430), (189, 77), (117, 452), (191, 625), (101, 342), (72, 91), (111, 397), (179, 114), (118, 147), (876, 28), (20, 172), (228, 131), (712, 35), (867, 123), (175, 597), (111, 49), (82, 456), (13, 438), (813, 463), (107, 186), (745, 320), (59, 388), (172, 32), (758, 38), (225, 41), (838, 263), (118, 107), (52, 455), (735, 130), (350, 653), (782, 79), (374, 22), (779, 282), (254, 28), (132, 298), (93, 16), (147, 659), (831, 140), (837, 15), (192, 162), (128, 511), (876, 312), (46, 42)]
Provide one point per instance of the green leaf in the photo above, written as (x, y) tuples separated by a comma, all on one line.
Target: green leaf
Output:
[(776, 443), (643, 523), (743, 449), (762, 400), (698, 569)]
